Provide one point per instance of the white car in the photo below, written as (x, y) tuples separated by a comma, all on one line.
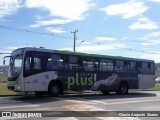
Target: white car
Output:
[(157, 80)]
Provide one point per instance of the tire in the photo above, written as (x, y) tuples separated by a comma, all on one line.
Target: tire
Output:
[(123, 89), (39, 94), (104, 92), (54, 90)]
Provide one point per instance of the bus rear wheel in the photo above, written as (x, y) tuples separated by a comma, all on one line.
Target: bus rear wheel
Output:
[(123, 89), (54, 90)]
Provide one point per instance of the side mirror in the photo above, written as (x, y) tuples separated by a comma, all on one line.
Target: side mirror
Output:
[(4, 62)]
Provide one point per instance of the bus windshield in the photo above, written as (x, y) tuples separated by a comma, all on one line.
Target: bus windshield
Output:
[(15, 65)]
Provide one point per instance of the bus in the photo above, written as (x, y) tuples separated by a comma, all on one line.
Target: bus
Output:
[(53, 72)]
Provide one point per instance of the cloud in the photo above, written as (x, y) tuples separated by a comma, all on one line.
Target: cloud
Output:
[(151, 39), (9, 7), (50, 22), (105, 38), (64, 11), (97, 41), (151, 36), (124, 38), (143, 23), (127, 10), (155, 34), (55, 30), (154, 0), (96, 48), (9, 49), (154, 57), (151, 42)]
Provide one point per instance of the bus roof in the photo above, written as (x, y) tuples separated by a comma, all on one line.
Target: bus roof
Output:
[(102, 56), (66, 52)]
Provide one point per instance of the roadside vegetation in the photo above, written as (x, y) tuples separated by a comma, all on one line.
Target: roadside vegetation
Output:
[(3, 86), (3, 78), (156, 87), (5, 91)]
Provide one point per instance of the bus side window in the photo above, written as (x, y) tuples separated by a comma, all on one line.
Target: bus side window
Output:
[(91, 65), (80, 63), (37, 63), (138, 66), (73, 62), (33, 63), (145, 68), (152, 68), (106, 65), (110, 65), (88, 64), (96, 65), (126, 66), (60, 64), (149, 68), (119, 66), (27, 64), (103, 65), (54, 62), (132, 67)]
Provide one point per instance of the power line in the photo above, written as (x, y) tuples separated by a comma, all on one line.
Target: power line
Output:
[(34, 32), (128, 49), (51, 34), (135, 50), (68, 29)]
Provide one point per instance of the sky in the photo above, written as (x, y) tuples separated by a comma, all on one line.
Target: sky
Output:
[(129, 28)]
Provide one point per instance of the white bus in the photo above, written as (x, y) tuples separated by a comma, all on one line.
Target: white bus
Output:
[(53, 71)]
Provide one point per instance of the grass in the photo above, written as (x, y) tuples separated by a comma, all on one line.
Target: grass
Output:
[(156, 87), (5, 91), (3, 79)]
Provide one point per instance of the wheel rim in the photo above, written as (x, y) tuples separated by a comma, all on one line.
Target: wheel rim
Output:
[(124, 89), (55, 90)]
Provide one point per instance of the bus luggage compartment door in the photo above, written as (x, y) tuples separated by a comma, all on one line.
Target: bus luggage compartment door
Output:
[(145, 81)]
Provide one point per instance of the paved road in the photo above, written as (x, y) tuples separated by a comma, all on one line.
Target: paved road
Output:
[(134, 101)]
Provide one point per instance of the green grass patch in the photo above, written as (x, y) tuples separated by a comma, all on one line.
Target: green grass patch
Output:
[(3, 79), (5, 91), (156, 87)]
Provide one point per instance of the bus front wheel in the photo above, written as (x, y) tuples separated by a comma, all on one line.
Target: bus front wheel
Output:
[(123, 89), (54, 90)]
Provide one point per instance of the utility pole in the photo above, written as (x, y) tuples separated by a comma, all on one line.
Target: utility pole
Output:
[(74, 46)]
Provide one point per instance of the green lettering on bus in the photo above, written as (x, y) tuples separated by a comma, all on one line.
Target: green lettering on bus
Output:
[(71, 81), (90, 81), (83, 81), (79, 80)]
